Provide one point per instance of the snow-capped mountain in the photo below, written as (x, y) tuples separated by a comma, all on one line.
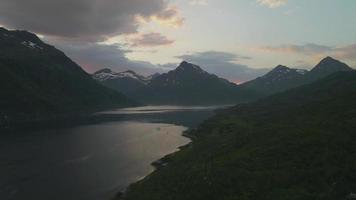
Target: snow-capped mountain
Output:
[(37, 79), (282, 78), (107, 74), (278, 79), (281, 73), (127, 82), (189, 84)]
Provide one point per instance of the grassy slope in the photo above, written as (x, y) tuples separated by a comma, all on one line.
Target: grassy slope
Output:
[(300, 144)]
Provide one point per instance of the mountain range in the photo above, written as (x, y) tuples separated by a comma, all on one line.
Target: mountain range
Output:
[(127, 82), (292, 138), (39, 80), (283, 78), (188, 84)]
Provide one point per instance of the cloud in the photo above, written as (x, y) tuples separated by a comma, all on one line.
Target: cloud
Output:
[(168, 66), (169, 16), (346, 52), (272, 3), (150, 40), (213, 56), (92, 57), (307, 49), (87, 20), (224, 64), (316, 51), (198, 2)]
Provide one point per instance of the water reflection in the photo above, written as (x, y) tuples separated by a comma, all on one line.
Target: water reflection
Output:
[(161, 109), (92, 161)]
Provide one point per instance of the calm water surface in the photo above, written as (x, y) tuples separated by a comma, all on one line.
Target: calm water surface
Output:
[(93, 161)]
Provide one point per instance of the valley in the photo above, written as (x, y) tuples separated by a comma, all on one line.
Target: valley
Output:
[(69, 134)]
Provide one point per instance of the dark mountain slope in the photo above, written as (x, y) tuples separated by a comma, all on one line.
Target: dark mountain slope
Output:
[(188, 84), (297, 145), (283, 78), (277, 80), (37, 80), (326, 67)]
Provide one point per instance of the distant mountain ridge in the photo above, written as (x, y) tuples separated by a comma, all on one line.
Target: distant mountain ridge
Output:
[(282, 78), (108, 74), (127, 82), (188, 84), (38, 80), (328, 66)]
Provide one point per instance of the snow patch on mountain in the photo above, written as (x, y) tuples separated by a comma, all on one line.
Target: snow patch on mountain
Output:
[(103, 76), (31, 45), (107, 74)]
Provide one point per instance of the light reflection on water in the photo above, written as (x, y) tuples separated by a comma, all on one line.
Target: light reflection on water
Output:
[(92, 161), (161, 109)]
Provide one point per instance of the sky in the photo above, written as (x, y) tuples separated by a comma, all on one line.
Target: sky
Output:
[(235, 39)]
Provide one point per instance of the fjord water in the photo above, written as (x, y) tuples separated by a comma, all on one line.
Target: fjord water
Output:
[(93, 161)]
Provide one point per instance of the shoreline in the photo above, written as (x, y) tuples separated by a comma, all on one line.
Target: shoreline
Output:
[(69, 121), (164, 161), (158, 164)]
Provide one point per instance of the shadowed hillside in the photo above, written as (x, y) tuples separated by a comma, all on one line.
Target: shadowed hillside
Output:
[(299, 144), (38, 80)]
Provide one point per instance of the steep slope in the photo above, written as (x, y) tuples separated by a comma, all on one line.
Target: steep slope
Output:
[(127, 82), (188, 84), (38, 80), (296, 145), (277, 80), (326, 67), (283, 78)]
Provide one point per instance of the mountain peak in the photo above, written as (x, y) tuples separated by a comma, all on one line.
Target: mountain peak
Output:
[(184, 63), (186, 66), (329, 59), (22, 38), (281, 73), (281, 67), (330, 65), (20, 34)]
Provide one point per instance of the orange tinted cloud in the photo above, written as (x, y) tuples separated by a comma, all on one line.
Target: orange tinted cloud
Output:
[(314, 51), (308, 49), (170, 17), (150, 40)]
